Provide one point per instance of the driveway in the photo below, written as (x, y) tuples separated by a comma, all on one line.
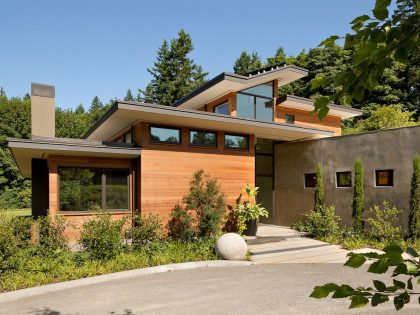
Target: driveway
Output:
[(257, 289)]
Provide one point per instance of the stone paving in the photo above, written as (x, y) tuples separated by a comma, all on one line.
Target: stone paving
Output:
[(277, 244)]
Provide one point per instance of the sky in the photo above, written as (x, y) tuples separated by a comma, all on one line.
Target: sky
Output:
[(87, 48)]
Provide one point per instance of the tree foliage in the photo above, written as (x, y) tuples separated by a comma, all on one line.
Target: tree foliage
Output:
[(246, 63), (358, 196), (414, 217), (319, 197), (174, 73)]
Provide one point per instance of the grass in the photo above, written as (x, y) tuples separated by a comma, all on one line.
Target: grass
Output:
[(19, 212)]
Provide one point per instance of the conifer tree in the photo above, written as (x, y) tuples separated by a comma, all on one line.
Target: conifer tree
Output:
[(96, 109), (2, 92), (246, 63), (279, 57), (319, 190), (129, 96), (414, 217), (174, 74), (358, 196)]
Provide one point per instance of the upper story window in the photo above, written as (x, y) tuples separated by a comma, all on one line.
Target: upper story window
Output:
[(290, 119), (203, 138), (128, 136), (165, 135), (384, 178), (256, 102), (236, 142), (222, 109)]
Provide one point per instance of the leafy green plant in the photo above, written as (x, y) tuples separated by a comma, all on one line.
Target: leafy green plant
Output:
[(205, 199), (400, 290), (181, 224), (358, 196), (319, 190), (101, 237), (146, 229), (249, 210), (382, 223), (414, 217), (51, 232), (320, 223)]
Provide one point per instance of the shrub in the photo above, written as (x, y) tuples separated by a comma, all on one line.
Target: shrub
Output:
[(320, 223), (205, 199), (414, 217), (101, 237), (319, 189), (146, 229), (358, 196), (51, 232), (382, 223), (180, 226)]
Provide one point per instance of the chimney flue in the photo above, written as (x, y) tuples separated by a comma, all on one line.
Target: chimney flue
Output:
[(42, 110)]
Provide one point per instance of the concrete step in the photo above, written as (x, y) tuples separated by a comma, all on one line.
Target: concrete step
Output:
[(307, 257), (300, 253), (283, 246)]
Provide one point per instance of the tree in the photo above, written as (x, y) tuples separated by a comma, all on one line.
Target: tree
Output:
[(96, 109), (414, 217), (129, 96), (246, 63), (377, 42), (358, 197), (174, 74), (2, 92), (319, 190), (279, 57), (386, 117)]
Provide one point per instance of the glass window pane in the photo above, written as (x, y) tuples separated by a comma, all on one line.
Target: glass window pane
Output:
[(290, 119), (79, 189), (265, 89), (116, 189), (310, 180), (236, 142), (263, 164), (222, 109), (244, 106), (343, 179), (203, 138), (165, 135), (263, 109), (264, 145), (265, 195), (384, 177), (128, 137)]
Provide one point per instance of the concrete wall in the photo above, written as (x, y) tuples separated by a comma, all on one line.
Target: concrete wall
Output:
[(387, 149)]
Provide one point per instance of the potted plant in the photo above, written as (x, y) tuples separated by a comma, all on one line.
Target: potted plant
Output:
[(249, 212)]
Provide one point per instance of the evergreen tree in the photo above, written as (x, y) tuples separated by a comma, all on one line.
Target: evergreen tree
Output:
[(174, 74), (2, 92), (80, 109), (279, 57), (358, 197), (96, 109), (247, 63), (414, 217), (129, 96), (26, 96), (319, 190)]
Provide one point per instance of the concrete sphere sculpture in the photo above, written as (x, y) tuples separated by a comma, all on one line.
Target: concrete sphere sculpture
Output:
[(231, 246)]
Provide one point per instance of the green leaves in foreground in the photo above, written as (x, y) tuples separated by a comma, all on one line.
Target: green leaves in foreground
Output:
[(400, 291)]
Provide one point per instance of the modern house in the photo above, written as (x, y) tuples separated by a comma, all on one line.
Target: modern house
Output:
[(140, 157)]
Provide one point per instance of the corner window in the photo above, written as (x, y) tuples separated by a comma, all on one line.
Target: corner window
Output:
[(290, 119), (222, 109), (165, 135), (384, 178), (310, 180), (256, 102), (203, 138), (343, 179), (90, 189), (236, 142)]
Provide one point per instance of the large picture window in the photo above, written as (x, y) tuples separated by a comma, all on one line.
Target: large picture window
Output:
[(203, 138), (256, 102), (236, 142), (165, 135), (88, 189)]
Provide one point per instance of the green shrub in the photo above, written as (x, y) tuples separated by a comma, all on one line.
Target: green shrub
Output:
[(146, 229), (382, 223), (320, 223), (358, 197), (101, 237), (205, 199), (319, 189), (51, 232), (414, 217), (181, 224)]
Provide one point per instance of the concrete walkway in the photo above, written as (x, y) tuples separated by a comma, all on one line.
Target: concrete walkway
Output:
[(275, 244)]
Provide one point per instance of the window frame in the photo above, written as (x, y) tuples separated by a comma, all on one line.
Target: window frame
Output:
[(151, 141), (255, 96), (202, 145), (103, 188), (337, 174), (289, 116), (235, 135), (225, 103), (376, 173), (305, 182)]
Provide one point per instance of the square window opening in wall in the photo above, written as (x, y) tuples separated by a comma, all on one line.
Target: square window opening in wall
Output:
[(343, 179), (290, 119), (310, 180), (384, 178)]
